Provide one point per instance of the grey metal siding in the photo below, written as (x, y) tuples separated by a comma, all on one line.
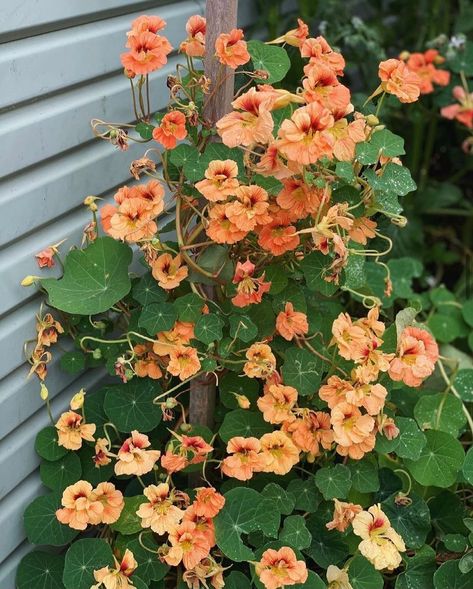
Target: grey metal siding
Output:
[(59, 67)]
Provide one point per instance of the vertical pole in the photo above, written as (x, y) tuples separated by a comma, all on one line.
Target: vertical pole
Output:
[(221, 16)]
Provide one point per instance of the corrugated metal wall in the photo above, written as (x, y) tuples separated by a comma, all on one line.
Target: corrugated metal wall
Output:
[(59, 67)]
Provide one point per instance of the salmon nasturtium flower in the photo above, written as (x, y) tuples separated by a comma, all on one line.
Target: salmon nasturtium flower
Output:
[(220, 180), (280, 568), (132, 221), (220, 229), (244, 458), (101, 457), (194, 45), (45, 258), (231, 49), (204, 526), (396, 78), (187, 546), (171, 129), (147, 361), (118, 577), (310, 431), (249, 209), (79, 506), (354, 432), (250, 290), (208, 502), (261, 362), (180, 335), (294, 37), (169, 271), (463, 111), (277, 402), (380, 544), (290, 323), (71, 430), (343, 515), (147, 53), (321, 55), (133, 458), (279, 452), (423, 64), (160, 513), (111, 500), (278, 236), (415, 358), (183, 362), (145, 23)]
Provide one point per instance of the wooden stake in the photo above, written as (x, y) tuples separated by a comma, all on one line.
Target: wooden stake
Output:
[(221, 17)]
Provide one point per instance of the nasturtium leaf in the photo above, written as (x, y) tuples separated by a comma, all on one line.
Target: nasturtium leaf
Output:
[(94, 278), (327, 547), (183, 154), (393, 179), (468, 466), (440, 460), (419, 571), (363, 575), (157, 317), (411, 440), (232, 384), (130, 406), (441, 411), (144, 130), (189, 307), (280, 499), (93, 406), (42, 525), (333, 481), (244, 423), (355, 276), (387, 203), (242, 328), (403, 271), (404, 318), (237, 517), (445, 328), (294, 294), (129, 523), (306, 495), (40, 570), (46, 444), (208, 328), (82, 558), (344, 170), (237, 580), (455, 542), (294, 533), (447, 513), (61, 473), (467, 312), (272, 185), (302, 370), (315, 267), (72, 362), (277, 275), (449, 575), (147, 291), (463, 384), (411, 519), (264, 318), (268, 518), (364, 475), (313, 582), (269, 58), (466, 563), (382, 143)]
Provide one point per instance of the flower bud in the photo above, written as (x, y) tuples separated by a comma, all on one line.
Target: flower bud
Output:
[(129, 374), (404, 55), (97, 354), (29, 280), (185, 427), (400, 221), (77, 401), (89, 201), (243, 401), (170, 403), (129, 74), (372, 120), (44, 393)]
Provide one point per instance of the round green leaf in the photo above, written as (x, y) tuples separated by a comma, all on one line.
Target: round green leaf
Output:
[(42, 525), (94, 279), (147, 291), (73, 362), (46, 444), (130, 406), (333, 481), (243, 328), (442, 412), (315, 267), (327, 547), (243, 423), (440, 460), (208, 328), (419, 571), (364, 475), (232, 384), (467, 312), (468, 466), (278, 278), (90, 472), (305, 493), (129, 522), (61, 473), (466, 563), (237, 580), (463, 383), (445, 328), (302, 370), (294, 533), (40, 570), (280, 499), (82, 559), (189, 307), (410, 520), (449, 576), (157, 317), (455, 542), (410, 440), (269, 58), (363, 575)]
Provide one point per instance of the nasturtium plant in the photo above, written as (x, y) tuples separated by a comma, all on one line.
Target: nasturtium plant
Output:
[(280, 412)]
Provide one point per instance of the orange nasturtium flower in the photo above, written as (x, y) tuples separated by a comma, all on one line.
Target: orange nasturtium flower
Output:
[(184, 362), (194, 45), (279, 568), (171, 129), (169, 271), (343, 515), (277, 402), (279, 452), (208, 502), (220, 180), (111, 500), (245, 458), (160, 514), (71, 430), (423, 64), (415, 358), (231, 49), (145, 23), (294, 37), (79, 506), (133, 458), (463, 111), (380, 544), (261, 361), (290, 323), (396, 78), (148, 52), (250, 290), (118, 577), (187, 546)]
